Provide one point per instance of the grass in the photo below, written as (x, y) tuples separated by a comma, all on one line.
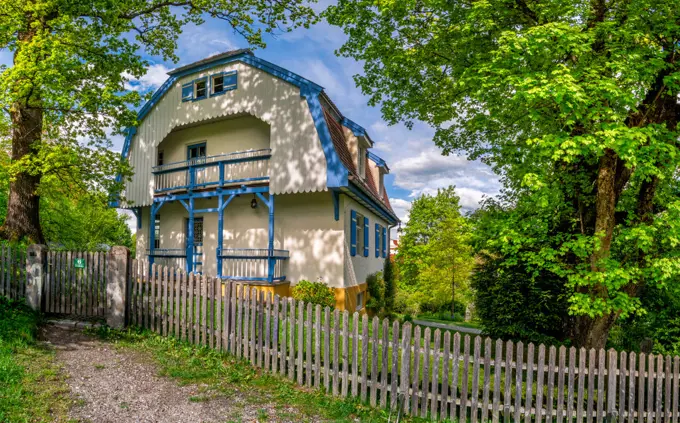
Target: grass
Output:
[(224, 374), (32, 388)]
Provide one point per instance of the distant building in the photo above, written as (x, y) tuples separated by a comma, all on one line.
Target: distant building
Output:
[(247, 171)]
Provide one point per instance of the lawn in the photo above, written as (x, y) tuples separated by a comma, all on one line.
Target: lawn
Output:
[(32, 388)]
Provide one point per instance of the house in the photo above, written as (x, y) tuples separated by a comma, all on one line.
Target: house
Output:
[(249, 172)]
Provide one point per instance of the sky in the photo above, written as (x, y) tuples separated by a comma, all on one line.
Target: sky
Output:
[(416, 164)]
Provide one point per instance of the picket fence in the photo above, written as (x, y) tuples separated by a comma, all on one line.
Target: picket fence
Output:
[(435, 374)]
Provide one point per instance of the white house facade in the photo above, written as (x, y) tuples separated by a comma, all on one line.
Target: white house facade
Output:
[(249, 172)]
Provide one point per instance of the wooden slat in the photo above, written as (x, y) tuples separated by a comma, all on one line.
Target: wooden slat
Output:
[(246, 322), (345, 354), (395, 364), (676, 386), (374, 361), (284, 333), (571, 375), (308, 344), (355, 354), (581, 384), (385, 363), (601, 380), (641, 387), (365, 347), (268, 332), (550, 383), (253, 325), (622, 386), (276, 326), (464, 380), (611, 383), (519, 363), (591, 384), (529, 384), (474, 400), (495, 404), (425, 387), (69, 282), (632, 360), (455, 359), (291, 340), (560, 383), (659, 387), (668, 378), (327, 348), (415, 381), (191, 308), (540, 374), (317, 346), (336, 352), (260, 322), (434, 386), (507, 394), (446, 365), (405, 374)]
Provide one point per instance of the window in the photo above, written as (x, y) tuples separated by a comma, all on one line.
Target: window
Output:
[(200, 89), (217, 84), (157, 232), (159, 159), (379, 239), (196, 152), (358, 234), (360, 300)]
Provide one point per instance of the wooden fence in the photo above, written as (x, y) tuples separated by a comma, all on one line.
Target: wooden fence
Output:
[(427, 373), (12, 272)]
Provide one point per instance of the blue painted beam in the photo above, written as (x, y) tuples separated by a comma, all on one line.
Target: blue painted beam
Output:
[(272, 262), (212, 193), (336, 204)]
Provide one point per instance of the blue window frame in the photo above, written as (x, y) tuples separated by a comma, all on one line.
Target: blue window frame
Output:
[(384, 242), (201, 88), (188, 91), (378, 232), (222, 82), (196, 151), (353, 234)]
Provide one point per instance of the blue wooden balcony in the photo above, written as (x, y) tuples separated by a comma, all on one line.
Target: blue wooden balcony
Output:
[(170, 257), (253, 264), (239, 168)]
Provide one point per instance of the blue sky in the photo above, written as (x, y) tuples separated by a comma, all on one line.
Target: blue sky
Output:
[(416, 165)]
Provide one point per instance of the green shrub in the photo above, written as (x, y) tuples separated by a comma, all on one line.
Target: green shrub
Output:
[(314, 293), (390, 286), (376, 291)]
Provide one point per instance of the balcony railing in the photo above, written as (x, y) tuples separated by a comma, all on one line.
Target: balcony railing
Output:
[(243, 167), (170, 257), (252, 264)]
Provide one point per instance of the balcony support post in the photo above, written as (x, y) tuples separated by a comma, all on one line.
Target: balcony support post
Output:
[(190, 237), (220, 229), (271, 261)]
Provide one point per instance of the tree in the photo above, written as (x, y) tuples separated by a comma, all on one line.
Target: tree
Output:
[(390, 285), (573, 103), (65, 90), (434, 253)]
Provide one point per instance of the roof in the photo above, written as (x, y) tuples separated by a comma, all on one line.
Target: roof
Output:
[(213, 58)]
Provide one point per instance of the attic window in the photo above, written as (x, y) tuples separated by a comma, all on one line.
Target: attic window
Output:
[(200, 89), (217, 84)]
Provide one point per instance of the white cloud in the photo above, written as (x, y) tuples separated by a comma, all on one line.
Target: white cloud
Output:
[(155, 77)]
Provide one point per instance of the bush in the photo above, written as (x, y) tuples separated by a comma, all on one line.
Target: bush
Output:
[(389, 282), (376, 292), (314, 293)]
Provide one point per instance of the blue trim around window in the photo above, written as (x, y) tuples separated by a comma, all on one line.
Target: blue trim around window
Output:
[(377, 240), (366, 236), (227, 86), (207, 88)]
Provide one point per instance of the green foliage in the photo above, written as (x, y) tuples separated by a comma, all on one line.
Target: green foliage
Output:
[(30, 385), (314, 293), (434, 255), (390, 285), (376, 292), (573, 104), (511, 305)]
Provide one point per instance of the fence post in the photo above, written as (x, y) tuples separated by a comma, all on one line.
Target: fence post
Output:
[(35, 268), (116, 285)]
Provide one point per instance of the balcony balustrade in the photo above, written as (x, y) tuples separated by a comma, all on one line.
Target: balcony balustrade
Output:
[(239, 168), (252, 264)]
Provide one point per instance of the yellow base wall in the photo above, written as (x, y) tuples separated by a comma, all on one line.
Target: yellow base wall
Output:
[(345, 298)]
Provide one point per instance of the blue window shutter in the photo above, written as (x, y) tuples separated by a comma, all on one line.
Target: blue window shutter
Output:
[(366, 235), (353, 234), (384, 242), (230, 81), (377, 240), (188, 91)]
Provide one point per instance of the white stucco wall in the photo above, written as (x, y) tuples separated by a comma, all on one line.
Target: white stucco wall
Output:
[(304, 225), (359, 267), (298, 163)]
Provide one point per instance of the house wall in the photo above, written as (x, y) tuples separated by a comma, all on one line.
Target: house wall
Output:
[(303, 224), (298, 163), (221, 137)]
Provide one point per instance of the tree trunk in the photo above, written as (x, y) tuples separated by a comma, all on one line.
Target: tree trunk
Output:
[(593, 332), (23, 206)]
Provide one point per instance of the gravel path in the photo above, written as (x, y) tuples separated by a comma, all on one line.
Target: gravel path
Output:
[(117, 385)]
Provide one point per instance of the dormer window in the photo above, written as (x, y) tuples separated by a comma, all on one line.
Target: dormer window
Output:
[(217, 84), (200, 89)]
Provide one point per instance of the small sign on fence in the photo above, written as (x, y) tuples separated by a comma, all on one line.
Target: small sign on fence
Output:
[(79, 263)]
